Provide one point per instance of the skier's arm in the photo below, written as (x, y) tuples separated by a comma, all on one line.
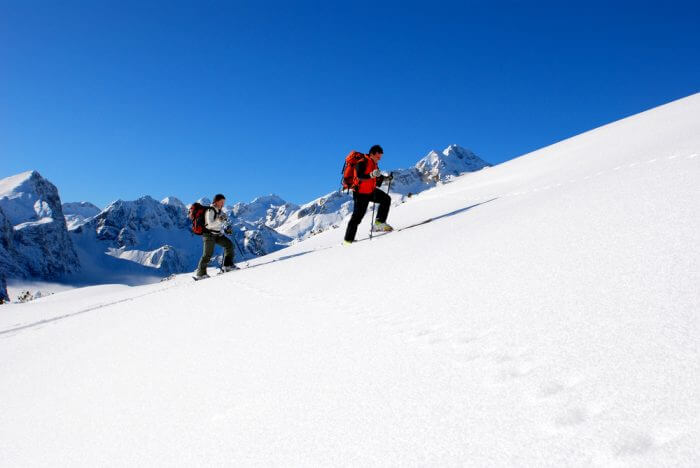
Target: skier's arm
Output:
[(361, 168)]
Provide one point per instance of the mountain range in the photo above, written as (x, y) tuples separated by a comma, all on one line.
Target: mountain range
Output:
[(146, 239)]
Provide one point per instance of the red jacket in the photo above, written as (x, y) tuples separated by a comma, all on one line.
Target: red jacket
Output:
[(367, 184)]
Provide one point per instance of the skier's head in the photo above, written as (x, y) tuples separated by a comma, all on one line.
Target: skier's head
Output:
[(376, 152), (219, 200)]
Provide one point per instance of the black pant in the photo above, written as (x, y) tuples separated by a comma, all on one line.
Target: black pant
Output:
[(209, 241), (361, 203)]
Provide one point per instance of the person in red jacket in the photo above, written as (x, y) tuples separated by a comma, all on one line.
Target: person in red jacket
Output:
[(370, 177)]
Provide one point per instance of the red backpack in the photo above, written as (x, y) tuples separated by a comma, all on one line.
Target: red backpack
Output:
[(196, 214), (350, 180)]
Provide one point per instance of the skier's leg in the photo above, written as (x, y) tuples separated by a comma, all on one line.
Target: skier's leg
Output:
[(207, 251), (358, 212), (384, 201), (226, 243)]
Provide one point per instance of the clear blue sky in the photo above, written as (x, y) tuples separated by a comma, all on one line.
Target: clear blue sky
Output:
[(118, 99)]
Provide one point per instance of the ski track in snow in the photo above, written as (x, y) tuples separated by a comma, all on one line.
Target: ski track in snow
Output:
[(93, 308)]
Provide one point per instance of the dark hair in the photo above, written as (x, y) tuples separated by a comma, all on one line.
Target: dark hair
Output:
[(376, 149), (219, 196)]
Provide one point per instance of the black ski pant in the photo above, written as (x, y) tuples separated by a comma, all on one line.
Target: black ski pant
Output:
[(209, 241), (361, 203)]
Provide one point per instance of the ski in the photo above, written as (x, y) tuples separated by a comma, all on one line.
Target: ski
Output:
[(218, 273), (222, 272), (414, 225)]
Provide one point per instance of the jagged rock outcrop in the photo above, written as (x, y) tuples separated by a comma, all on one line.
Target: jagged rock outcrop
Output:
[(33, 235)]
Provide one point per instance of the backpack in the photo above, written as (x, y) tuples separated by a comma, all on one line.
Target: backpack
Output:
[(196, 214), (350, 180)]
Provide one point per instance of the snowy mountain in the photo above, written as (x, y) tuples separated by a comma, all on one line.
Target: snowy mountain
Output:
[(144, 231), (330, 210), (34, 240), (269, 210), (546, 315), (453, 161), (157, 235), (318, 215), (77, 212)]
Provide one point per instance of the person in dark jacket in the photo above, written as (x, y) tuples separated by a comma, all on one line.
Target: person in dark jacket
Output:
[(369, 178)]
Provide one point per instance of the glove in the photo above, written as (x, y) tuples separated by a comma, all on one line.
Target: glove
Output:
[(389, 177), (375, 173), (228, 230)]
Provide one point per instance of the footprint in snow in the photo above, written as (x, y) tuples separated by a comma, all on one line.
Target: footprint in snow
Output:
[(633, 443), (463, 341), (516, 370), (465, 358), (571, 417), (558, 386), (437, 340), (550, 389), (423, 333)]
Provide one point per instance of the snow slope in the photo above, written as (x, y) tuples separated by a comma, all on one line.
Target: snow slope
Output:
[(546, 316)]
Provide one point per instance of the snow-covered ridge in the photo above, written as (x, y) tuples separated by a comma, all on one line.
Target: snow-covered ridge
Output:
[(451, 162), (270, 210), (76, 213)]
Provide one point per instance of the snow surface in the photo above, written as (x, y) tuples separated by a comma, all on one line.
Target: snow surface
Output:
[(547, 315)]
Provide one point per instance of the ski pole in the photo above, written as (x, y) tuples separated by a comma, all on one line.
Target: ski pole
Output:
[(374, 206), (233, 238)]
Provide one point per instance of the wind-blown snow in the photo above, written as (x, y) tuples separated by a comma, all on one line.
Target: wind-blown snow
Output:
[(547, 315)]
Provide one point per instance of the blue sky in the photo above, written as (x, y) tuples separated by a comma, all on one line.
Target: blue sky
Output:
[(121, 99)]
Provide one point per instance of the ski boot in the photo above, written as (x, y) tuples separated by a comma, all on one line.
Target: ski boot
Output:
[(226, 269), (381, 227)]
